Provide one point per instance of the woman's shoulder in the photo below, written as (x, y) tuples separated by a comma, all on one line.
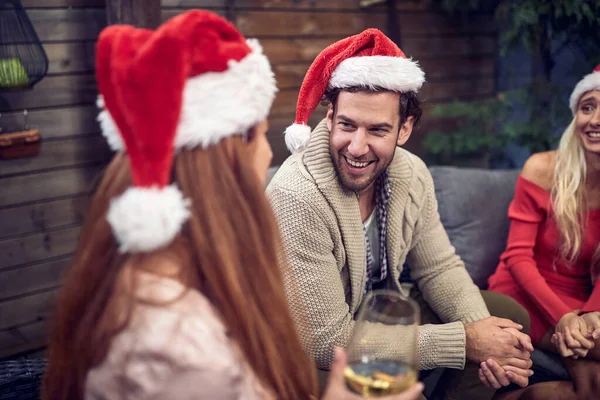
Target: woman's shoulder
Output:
[(185, 313), (539, 169), (173, 329)]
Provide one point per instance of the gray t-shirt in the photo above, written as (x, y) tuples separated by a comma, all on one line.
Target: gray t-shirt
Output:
[(372, 228)]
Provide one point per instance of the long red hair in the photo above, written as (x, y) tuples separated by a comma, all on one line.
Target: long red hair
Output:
[(228, 251)]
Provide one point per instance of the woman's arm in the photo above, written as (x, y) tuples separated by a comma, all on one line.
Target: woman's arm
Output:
[(593, 302), (527, 210), (519, 257)]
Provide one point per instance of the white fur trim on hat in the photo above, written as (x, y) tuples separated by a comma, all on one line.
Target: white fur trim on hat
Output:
[(145, 219), (108, 127), (391, 73), (297, 137), (217, 104), (221, 104), (589, 82)]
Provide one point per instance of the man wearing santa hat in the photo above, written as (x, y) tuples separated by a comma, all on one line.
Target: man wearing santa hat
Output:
[(354, 207)]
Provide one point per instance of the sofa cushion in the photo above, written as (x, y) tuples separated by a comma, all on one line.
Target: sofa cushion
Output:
[(473, 206)]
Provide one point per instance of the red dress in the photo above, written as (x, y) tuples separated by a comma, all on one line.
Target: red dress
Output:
[(529, 270)]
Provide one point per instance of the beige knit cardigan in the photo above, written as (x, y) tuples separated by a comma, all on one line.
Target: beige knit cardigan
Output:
[(325, 245)]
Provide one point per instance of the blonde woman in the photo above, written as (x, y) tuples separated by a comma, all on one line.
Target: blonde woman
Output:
[(552, 260)]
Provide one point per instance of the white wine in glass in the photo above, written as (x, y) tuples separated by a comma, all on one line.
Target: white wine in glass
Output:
[(385, 319)]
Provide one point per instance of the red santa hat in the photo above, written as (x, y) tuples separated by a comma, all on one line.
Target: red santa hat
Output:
[(589, 82), (192, 82), (369, 59)]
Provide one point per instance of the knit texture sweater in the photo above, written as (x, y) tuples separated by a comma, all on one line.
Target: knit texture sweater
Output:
[(325, 275)]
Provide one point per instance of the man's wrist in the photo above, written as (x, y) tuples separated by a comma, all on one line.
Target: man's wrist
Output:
[(469, 336)]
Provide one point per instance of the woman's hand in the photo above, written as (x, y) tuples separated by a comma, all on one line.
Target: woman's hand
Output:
[(337, 390), (569, 336), (592, 320), (491, 374)]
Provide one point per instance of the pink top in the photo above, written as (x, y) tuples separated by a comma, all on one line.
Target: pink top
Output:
[(176, 351)]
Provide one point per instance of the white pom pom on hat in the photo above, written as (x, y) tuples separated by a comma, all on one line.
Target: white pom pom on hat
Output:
[(145, 219), (296, 137)]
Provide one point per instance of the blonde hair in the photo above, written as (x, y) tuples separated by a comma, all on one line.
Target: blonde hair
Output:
[(569, 200)]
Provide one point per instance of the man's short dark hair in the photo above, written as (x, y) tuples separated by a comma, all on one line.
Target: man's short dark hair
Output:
[(410, 105)]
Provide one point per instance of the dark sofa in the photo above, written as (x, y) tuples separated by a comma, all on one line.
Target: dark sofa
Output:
[(473, 206)]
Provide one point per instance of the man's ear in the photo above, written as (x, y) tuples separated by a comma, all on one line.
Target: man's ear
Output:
[(405, 131), (329, 116)]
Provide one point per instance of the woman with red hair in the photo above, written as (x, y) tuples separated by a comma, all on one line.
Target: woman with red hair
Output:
[(175, 289)]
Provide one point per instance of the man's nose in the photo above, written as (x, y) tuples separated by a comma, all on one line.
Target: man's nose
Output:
[(359, 145)]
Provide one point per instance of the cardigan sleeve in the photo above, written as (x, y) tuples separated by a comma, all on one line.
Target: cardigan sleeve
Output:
[(526, 212)]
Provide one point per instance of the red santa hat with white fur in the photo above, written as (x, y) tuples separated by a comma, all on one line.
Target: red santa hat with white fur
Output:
[(589, 82), (192, 82), (369, 59)]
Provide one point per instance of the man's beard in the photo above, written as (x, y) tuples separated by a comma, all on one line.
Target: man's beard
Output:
[(354, 185)]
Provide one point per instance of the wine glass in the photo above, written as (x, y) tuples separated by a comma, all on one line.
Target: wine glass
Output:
[(387, 323)]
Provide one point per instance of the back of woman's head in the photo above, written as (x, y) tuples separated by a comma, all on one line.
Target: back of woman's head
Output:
[(202, 205)]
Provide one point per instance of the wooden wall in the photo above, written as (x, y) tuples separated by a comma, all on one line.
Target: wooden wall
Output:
[(43, 199)]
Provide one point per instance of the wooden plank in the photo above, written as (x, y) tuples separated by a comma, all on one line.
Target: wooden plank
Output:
[(70, 57), (53, 91), (139, 13), (281, 23), (306, 50), (23, 337), (38, 217), (47, 185), (55, 122), (295, 49), (38, 247), (290, 76), (20, 281), (61, 3), (459, 88), (26, 309), (449, 46), (61, 153), (168, 13), (285, 104), (193, 3), (404, 5), (437, 69), (68, 24), (300, 4)]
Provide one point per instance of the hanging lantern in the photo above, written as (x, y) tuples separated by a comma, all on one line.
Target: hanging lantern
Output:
[(23, 61)]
